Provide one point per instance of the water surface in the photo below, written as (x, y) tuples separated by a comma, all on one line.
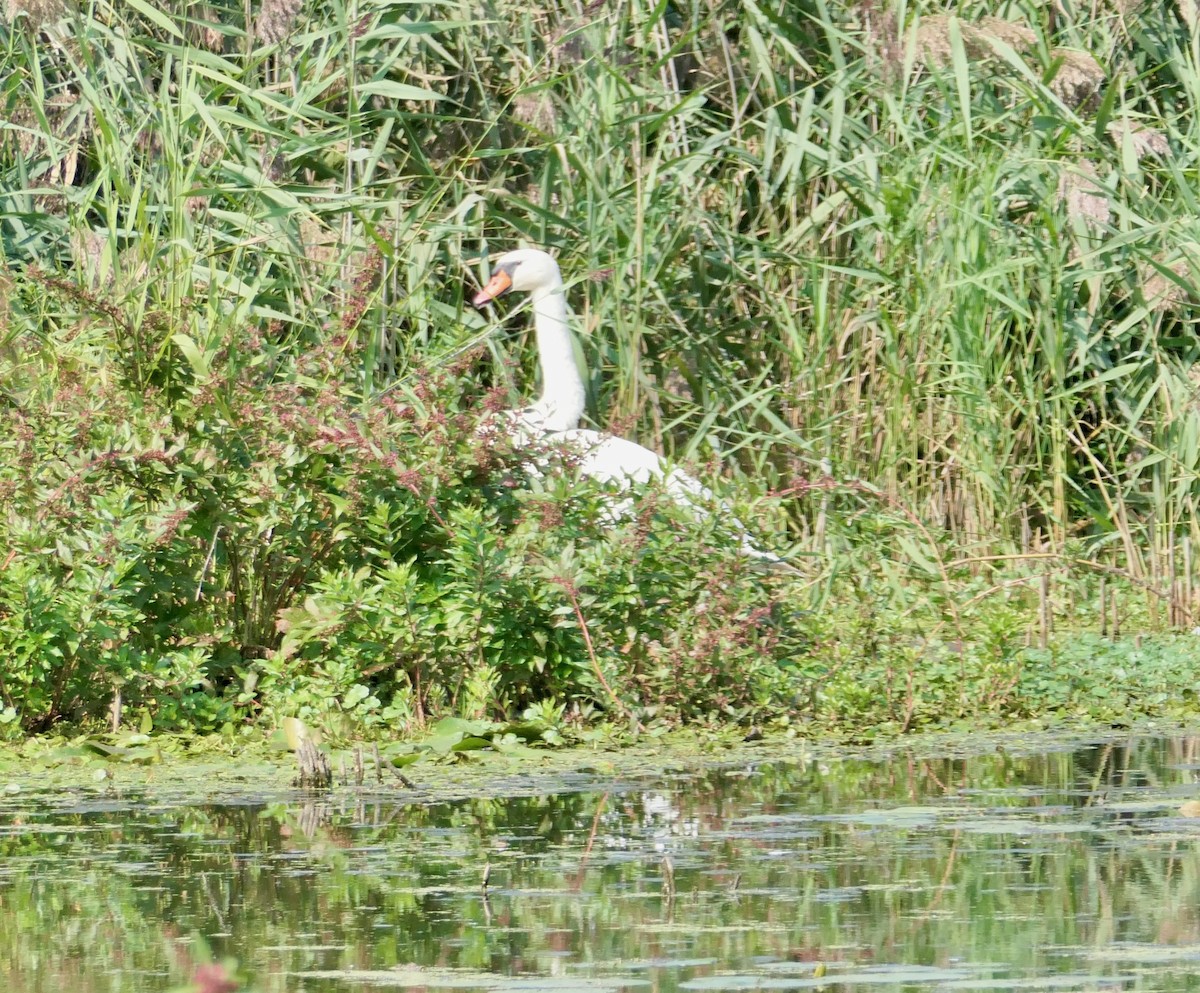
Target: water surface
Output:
[(1071, 869)]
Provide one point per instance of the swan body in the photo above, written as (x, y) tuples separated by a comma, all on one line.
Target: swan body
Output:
[(552, 421)]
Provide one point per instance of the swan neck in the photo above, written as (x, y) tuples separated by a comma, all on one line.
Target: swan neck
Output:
[(563, 396)]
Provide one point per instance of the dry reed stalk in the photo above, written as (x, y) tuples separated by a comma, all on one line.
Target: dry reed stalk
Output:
[(67, 124), (1188, 602), (1103, 598), (669, 76), (1044, 612), (204, 30), (314, 770), (1155, 576), (1173, 611), (6, 294), (115, 709), (881, 38), (89, 248)]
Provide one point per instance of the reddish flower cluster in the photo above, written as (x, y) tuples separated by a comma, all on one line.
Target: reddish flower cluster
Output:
[(495, 400), (365, 281), (170, 527), (549, 512)]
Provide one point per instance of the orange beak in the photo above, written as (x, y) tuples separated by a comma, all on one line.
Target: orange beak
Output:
[(498, 285)]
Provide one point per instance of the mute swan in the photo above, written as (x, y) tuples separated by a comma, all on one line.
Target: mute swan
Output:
[(563, 396), (554, 418)]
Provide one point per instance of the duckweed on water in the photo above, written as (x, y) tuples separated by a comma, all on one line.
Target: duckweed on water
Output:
[(1051, 863)]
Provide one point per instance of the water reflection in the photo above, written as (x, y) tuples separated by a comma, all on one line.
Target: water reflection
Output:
[(1066, 869)]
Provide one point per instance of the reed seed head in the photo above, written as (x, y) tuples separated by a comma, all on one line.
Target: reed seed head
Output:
[(1086, 200), (1189, 12), (535, 110), (38, 12), (1078, 80), (933, 38), (1017, 36), (1173, 288), (881, 36), (1144, 139), (275, 20)]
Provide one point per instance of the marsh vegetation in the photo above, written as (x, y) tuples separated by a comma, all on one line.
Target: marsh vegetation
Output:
[(914, 291)]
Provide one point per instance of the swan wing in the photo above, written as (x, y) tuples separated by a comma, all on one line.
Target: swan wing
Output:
[(612, 460)]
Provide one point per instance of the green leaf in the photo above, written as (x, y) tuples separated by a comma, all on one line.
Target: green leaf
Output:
[(391, 90), (193, 353)]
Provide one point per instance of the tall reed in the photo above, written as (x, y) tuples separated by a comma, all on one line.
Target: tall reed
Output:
[(943, 251)]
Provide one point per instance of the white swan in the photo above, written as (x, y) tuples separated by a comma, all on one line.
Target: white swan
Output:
[(554, 418), (563, 398)]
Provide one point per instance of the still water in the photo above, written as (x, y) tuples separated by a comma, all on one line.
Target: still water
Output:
[(1069, 869)]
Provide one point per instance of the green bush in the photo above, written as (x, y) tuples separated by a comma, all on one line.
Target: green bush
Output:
[(254, 538), (928, 278)]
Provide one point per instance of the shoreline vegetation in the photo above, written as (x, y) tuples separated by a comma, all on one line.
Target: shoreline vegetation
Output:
[(183, 769), (912, 289)]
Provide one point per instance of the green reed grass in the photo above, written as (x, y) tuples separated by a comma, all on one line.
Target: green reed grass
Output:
[(811, 246), (946, 261)]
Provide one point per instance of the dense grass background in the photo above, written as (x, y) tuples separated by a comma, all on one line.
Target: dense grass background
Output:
[(923, 281)]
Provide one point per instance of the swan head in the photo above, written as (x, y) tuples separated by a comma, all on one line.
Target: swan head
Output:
[(526, 269)]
